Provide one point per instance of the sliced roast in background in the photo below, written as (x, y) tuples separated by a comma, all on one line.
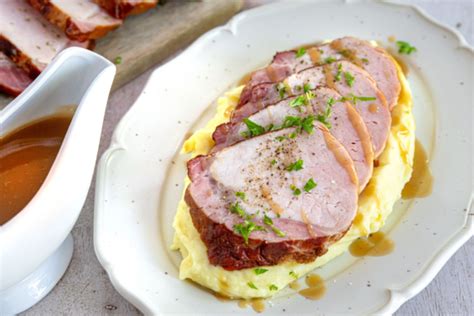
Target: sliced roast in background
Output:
[(123, 8), (13, 80), (352, 82), (80, 20), (28, 39), (342, 120), (283, 195), (375, 60)]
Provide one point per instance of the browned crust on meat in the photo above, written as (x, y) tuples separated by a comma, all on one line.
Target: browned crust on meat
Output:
[(73, 30), (228, 250), (20, 59), (121, 10)]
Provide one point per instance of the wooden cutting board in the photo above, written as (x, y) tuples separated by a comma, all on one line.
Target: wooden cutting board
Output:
[(147, 39)]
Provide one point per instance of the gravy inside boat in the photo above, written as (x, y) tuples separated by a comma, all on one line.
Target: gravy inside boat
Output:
[(26, 156)]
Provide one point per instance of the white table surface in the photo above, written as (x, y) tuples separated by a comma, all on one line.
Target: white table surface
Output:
[(86, 290)]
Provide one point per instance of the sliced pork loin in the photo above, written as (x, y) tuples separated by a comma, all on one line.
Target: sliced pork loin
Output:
[(28, 39), (13, 80), (80, 20), (343, 121), (352, 82), (306, 209), (375, 60), (123, 8)]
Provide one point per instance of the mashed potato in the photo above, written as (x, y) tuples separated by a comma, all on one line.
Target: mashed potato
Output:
[(375, 205)]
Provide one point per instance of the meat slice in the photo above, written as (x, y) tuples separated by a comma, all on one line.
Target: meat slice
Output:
[(123, 8), (352, 82), (343, 121), (251, 211), (375, 60), (28, 39), (80, 20), (13, 80)]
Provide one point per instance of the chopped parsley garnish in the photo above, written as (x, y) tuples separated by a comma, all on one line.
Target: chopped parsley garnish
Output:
[(365, 60), (329, 60), (253, 129), (310, 184), (259, 271), (324, 117), (252, 286), (349, 78), (246, 228), (237, 209), (268, 221), (339, 72), (293, 274), (295, 190), (300, 52), (118, 60), (295, 166), (355, 98), (280, 138), (307, 124), (240, 195), (405, 48), (306, 87), (273, 287), (301, 100), (292, 135), (291, 121), (273, 162), (309, 95), (281, 90)]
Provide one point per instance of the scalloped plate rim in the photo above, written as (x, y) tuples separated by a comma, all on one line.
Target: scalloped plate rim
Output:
[(397, 296)]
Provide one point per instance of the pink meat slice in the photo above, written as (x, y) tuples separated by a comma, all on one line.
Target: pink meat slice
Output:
[(258, 168), (375, 60), (343, 121), (13, 80), (361, 91), (28, 39)]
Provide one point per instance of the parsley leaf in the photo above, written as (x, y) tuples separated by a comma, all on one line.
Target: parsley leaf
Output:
[(246, 228), (240, 195), (307, 124), (295, 166), (339, 72), (310, 184), (306, 87), (329, 60), (273, 162), (254, 128), (280, 87), (405, 48), (293, 274), (301, 100), (324, 117), (259, 271), (252, 286), (237, 209), (349, 78), (295, 190), (118, 60), (273, 287), (300, 52), (268, 221), (354, 98)]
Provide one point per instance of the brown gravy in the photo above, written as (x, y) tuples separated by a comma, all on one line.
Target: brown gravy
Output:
[(258, 304), (376, 245), (26, 155), (316, 287), (421, 182)]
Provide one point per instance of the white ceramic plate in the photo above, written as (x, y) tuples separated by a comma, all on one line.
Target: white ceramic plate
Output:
[(140, 176)]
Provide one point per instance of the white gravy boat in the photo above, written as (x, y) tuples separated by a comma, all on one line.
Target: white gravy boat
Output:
[(35, 245)]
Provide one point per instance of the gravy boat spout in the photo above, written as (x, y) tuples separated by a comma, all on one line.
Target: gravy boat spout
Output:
[(40, 230)]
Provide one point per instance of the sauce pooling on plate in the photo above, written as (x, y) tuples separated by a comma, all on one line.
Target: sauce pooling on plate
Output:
[(376, 245), (316, 287), (26, 156), (421, 182)]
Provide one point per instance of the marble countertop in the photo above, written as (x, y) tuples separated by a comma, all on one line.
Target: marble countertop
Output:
[(86, 290)]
